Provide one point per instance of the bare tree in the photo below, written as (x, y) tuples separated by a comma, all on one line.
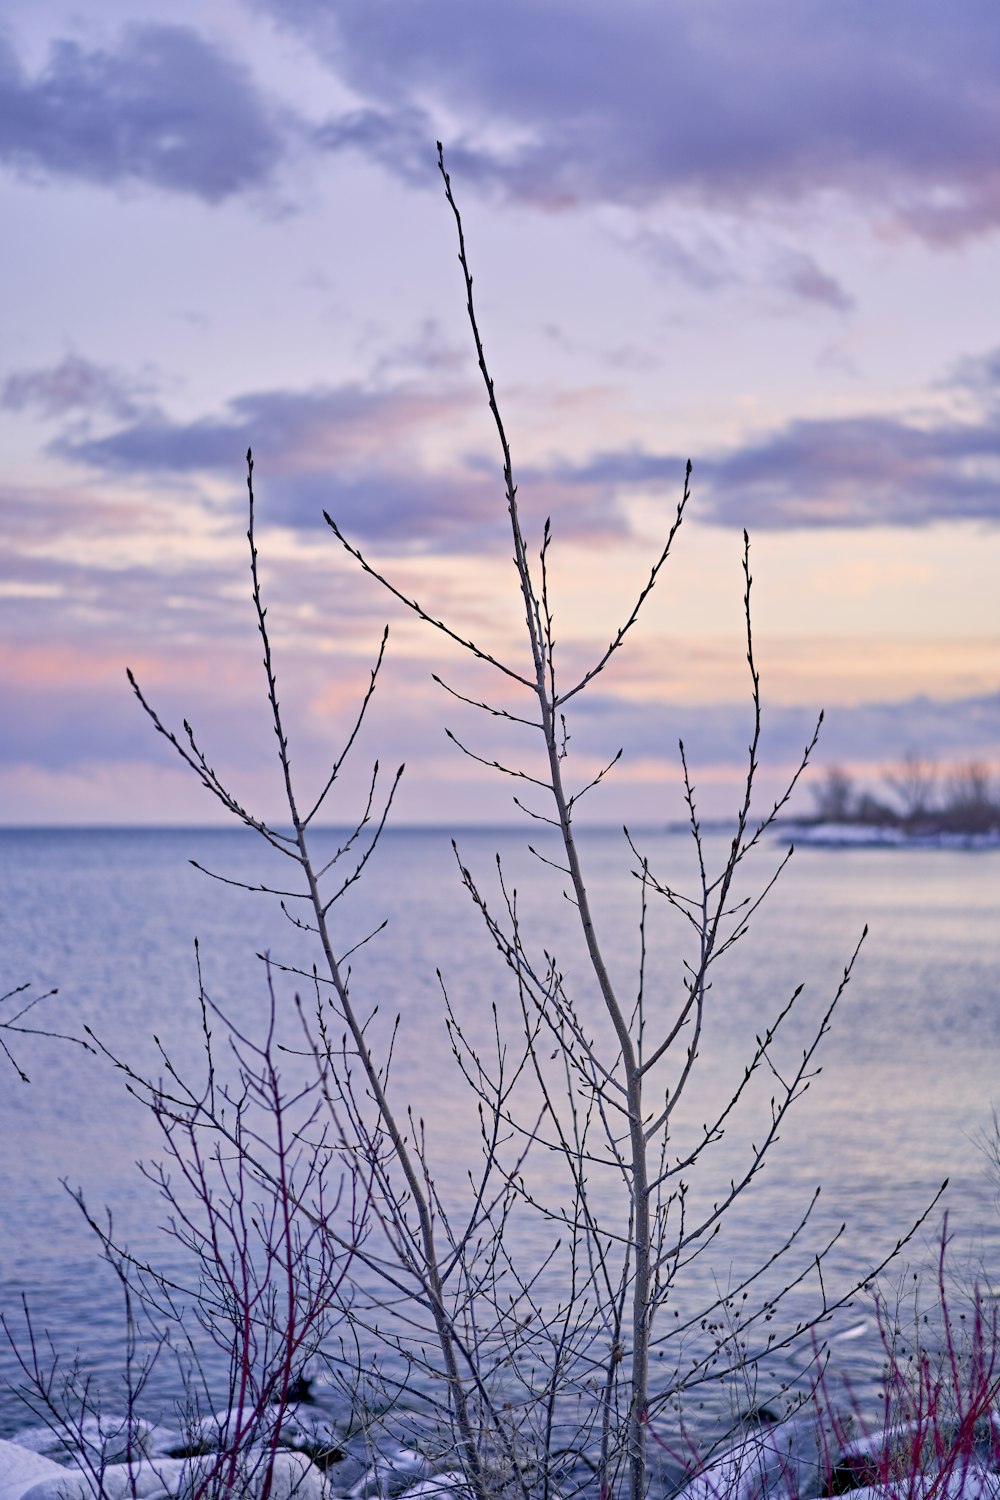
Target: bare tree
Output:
[(834, 796), (597, 1077), (971, 801), (914, 782)]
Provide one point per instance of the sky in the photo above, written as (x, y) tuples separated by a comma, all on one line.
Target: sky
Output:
[(762, 236)]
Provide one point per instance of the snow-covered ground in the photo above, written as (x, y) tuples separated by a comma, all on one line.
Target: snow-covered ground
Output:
[(795, 1459), (863, 835), (25, 1475), (44, 1464)]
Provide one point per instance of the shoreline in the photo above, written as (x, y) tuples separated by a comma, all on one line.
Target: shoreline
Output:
[(834, 835)]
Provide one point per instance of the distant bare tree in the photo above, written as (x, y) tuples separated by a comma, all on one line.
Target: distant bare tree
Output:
[(834, 796), (914, 782), (972, 803)]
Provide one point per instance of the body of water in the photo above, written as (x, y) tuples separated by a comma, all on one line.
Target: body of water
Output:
[(909, 1069)]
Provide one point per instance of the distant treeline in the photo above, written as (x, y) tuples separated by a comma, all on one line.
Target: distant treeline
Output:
[(918, 798)]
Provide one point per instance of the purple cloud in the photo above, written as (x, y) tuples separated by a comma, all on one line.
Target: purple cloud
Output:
[(718, 734), (353, 452), (58, 730), (298, 431), (858, 471), (165, 107), (705, 263), (400, 139), (70, 709), (798, 273), (566, 101), (74, 385), (834, 471)]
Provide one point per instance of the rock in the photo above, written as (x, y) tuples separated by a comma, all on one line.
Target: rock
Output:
[(799, 1458), (20, 1468), (295, 1475), (305, 1432), (309, 1433), (390, 1472), (299, 1392), (104, 1439), (117, 1481), (31, 1476), (450, 1484), (788, 1458)]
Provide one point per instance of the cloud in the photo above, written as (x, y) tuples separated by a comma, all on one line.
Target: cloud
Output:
[(295, 431), (428, 352), (59, 600), (702, 262), (32, 515), (358, 452), (74, 385), (354, 452), (798, 273), (978, 376), (400, 140), (705, 262), (74, 706), (870, 470), (858, 471), (718, 734), (574, 101), (164, 107), (454, 512)]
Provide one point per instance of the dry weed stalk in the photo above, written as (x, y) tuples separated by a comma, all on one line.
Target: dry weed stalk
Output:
[(937, 1432), (265, 1237)]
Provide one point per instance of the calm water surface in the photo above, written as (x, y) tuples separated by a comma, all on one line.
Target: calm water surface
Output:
[(909, 1069)]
